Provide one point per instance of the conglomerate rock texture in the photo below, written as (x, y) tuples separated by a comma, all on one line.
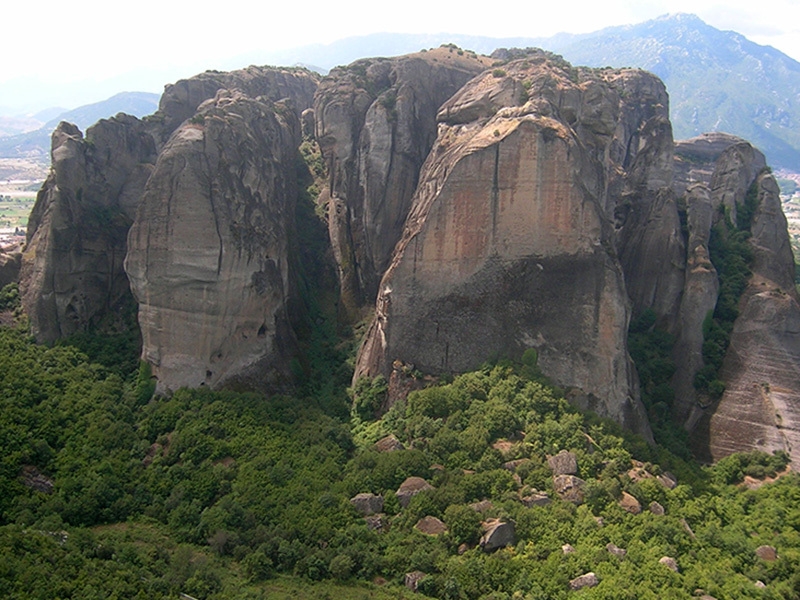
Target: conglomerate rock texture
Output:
[(376, 123), (72, 265), (208, 258)]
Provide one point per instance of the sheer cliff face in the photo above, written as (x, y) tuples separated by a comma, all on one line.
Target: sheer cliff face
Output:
[(72, 267), (181, 99), (760, 409), (509, 244), (208, 252), (375, 123)]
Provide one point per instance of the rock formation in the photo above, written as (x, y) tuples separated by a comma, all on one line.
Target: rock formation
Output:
[(76, 243), (180, 100), (510, 243), (760, 409), (375, 123), (209, 259)]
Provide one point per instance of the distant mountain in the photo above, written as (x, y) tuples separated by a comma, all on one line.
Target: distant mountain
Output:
[(717, 80), (36, 143)]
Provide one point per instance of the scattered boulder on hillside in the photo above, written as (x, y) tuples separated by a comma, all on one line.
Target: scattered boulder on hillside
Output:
[(430, 526), (410, 488), (482, 506), (668, 480), (656, 508), (629, 503), (388, 444), (586, 580), (497, 534), (535, 499), (378, 522), (563, 463), (569, 488), (367, 504), (767, 553), (615, 550), (567, 549), (669, 562), (412, 579), (513, 465)]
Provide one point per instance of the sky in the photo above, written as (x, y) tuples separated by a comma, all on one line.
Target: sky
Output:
[(60, 53)]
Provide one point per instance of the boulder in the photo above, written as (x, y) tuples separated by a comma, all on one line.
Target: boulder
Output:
[(669, 562), (410, 488), (563, 463), (388, 444), (567, 549), (412, 579), (430, 526), (616, 550), (630, 504), (513, 465), (767, 553), (10, 263), (367, 504), (656, 508), (482, 506), (536, 499), (377, 522), (569, 488), (181, 99), (586, 580), (497, 534), (668, 480)]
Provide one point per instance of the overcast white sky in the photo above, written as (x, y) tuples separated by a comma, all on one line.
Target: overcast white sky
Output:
[(68, 44)]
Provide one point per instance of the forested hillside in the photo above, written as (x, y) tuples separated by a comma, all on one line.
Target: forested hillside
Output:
[(107, 493)]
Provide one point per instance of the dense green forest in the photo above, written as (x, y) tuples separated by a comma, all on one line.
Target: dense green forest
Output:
[(106, 492)]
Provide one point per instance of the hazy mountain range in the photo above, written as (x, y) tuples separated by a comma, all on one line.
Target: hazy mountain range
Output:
[(717, 80), (36, 143)]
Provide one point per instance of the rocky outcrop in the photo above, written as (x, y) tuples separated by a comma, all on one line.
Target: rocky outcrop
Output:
[(208, 253), (510, 245), (410, 488), (10, 263), (375, 123), (760, 408), (180, 100), (497, 534), (76, 243)]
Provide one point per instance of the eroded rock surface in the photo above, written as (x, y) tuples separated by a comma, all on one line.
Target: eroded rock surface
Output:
[(208, 259), (760, 408), (510, 244), (181, 99), (375, 123), (76, 242)]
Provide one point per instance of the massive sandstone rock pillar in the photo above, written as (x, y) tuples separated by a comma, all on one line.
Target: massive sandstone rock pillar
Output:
[(508, 246), (208, 253), (72, 266), (760, 409)]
